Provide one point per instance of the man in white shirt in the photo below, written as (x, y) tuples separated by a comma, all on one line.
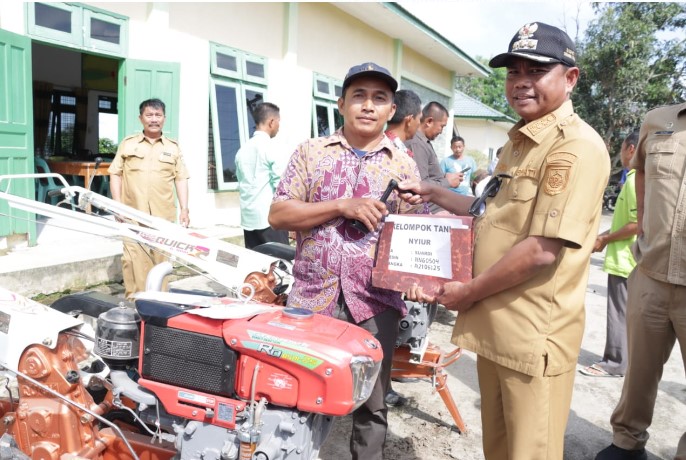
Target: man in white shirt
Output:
[(258, 170)]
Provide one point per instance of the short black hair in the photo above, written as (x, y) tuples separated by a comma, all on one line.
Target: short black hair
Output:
[(264, 111), (433, 109), (456, 139), (407, 102), (154, 103), (632, 138)]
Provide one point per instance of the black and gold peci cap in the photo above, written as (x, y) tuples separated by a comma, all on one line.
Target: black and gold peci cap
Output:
[(539, 42), (369, 69)]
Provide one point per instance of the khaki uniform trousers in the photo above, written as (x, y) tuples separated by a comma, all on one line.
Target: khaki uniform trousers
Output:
[(137, 260), (523, 417), (656, 317)]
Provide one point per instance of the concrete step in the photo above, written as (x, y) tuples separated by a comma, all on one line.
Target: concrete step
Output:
[(62, 260)]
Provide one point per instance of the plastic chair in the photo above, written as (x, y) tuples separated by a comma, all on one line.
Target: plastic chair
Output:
[(101, 185), (45, 184), (73, 179)]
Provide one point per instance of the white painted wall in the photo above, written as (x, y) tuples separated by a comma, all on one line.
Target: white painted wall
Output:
[(482, 135), (12, 17)]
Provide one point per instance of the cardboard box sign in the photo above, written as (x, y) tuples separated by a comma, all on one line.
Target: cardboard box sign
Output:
[(424, 249)]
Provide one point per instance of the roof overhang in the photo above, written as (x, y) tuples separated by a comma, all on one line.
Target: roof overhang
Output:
[(393, 20), (503, 119)]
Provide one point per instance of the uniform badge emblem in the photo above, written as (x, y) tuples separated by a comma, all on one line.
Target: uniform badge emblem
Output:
[(556, 180), (557, 171), (528, 30), (526, 38)]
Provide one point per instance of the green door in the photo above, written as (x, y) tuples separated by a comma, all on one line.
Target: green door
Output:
[(141, 80), (16, 129)]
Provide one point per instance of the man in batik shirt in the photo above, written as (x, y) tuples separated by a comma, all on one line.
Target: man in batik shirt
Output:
[(329, 182)]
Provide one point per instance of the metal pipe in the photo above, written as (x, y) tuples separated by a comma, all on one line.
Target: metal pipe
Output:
[(156, 276)]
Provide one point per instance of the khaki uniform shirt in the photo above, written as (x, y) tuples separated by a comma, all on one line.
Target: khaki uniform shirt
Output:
[(148, 173), (559, 167), (661, 153)]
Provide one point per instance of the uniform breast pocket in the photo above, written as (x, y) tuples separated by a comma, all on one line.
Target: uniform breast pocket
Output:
[(513, 206), (133, 163), (167, 162), (660, 158)]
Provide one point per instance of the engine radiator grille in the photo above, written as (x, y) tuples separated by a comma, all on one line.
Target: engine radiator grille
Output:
[(188, 360)]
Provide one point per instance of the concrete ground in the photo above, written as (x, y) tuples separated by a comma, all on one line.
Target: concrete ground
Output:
[(65, 259)]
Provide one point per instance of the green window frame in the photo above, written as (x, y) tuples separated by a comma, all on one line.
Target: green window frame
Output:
[(326, 118), (238, 65), (238, 81), (78, 26), (327, 88)]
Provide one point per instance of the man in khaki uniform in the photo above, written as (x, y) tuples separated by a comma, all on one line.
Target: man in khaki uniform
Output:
[(657, 286), (523, 312), (143, 175)]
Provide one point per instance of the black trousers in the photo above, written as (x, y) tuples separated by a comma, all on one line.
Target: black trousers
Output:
[(256, 237), (370, 420)]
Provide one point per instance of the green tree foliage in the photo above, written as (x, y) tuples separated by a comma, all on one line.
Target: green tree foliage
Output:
[(488, 90), (106, 145), (630, 63)]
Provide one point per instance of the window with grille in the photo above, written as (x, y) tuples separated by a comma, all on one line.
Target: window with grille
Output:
[(62, 124)]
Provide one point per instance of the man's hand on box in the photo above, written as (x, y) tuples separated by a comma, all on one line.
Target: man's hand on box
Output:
[(416, 294), (454, 296)]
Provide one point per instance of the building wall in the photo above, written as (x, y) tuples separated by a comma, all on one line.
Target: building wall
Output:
[(12, 17), (296, 38), (429, 74), (331, 41), (247, 26), (483, 135), (423, 71)]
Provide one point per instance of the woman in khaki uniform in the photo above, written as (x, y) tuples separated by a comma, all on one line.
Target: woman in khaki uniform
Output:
[(523, 313), (144, 173)]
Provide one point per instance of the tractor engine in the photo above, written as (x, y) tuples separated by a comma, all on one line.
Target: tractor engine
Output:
[(166, 380)]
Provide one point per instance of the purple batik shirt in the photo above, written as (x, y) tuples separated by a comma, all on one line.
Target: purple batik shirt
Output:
[(334, 257)]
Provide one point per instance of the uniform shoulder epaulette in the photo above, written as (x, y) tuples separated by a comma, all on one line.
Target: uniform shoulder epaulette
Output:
[(173, 141), (130, 136)]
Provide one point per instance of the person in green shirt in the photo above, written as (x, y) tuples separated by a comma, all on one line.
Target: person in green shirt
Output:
[(619, 262), (258, 170)]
